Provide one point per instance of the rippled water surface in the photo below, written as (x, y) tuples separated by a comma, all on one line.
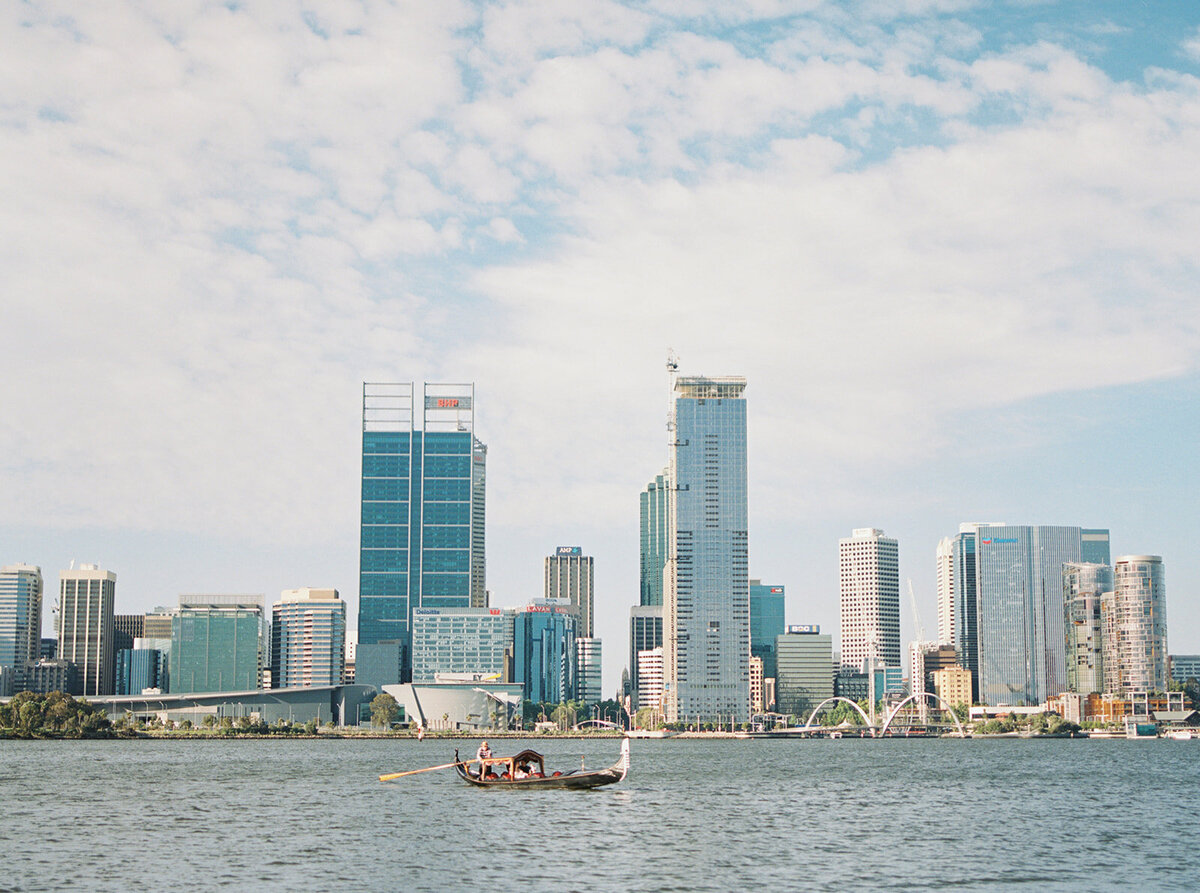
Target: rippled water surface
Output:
[(693, 815)]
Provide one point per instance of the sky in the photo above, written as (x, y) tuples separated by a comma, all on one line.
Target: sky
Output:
[(950, 244)]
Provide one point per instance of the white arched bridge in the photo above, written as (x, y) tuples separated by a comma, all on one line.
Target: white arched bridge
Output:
[(918, 698)]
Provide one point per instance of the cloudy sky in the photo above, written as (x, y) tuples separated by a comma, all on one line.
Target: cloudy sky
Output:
[(952, 245)]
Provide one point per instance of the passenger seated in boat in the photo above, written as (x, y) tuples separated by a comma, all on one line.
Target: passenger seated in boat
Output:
[(522, 771)]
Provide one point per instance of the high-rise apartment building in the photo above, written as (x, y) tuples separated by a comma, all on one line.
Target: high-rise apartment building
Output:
[(20, 614), (422, 534), (645, 634), (706, 599), (217, 643), (655, 537), (1083, 588), (946, 607), (766, 623), (569, 574), (1021, 638), (869, 582), (85, 626), (308, 638), (1134, 617)]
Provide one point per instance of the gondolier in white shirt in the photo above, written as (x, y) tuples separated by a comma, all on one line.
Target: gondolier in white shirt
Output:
[(484, 753)]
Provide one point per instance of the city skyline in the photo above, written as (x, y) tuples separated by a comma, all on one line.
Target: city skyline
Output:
[(951, 248)]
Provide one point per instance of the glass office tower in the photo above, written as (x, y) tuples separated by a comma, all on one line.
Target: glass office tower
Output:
[(422, 535), (1021, 636), (217, 643), (20, 614), (706, 599), (766, 623), (654, 538), (544, 651)]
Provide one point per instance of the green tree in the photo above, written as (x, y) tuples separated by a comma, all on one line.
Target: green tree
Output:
[(564, 716), (310, 727), (210, 720), (384, 711)]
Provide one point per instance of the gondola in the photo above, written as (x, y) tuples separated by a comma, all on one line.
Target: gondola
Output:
[(501, 772)]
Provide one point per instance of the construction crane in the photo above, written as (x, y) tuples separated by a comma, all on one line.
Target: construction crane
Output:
[(916, 614)]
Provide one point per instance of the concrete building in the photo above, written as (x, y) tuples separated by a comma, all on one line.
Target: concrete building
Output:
[(645, 633), (945, 580), (46, 675), (20, 614), (85, 626), (217, 644), (869, 583), (422, 534), (925, 659), (588, 670), (1134, 617), (805, 670), (460, 640), (767, 605), (757, 704), (1083, 588), (570, 574), (706, 602), (308, 638), (952, 685), (1183, 667), (157, 624)]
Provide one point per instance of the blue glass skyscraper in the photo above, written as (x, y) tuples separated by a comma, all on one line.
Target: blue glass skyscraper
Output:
[(706, 600), (422, 534), (1020, 608), (766, 623)]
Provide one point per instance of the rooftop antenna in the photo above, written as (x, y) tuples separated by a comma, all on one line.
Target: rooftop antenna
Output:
[(672, 369), (71, 566)]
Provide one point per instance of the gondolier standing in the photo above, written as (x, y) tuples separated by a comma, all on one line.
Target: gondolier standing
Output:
[(484, 753)]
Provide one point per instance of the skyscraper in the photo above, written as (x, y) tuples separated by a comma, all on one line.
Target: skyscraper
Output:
[(1019, 594), (1134, 616), (217, 643), (1083, 588), (766, 623), (308, 638), (85, 626), (947, 613), (869, 582), (422, 535), (706, 599), (569, 574), (20, 614), (957, 596), (655, 537), (544, 651)]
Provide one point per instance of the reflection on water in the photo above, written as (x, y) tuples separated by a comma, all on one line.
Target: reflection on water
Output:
[(693, 815)]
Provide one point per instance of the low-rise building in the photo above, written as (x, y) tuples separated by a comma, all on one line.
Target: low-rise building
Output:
[(953, 685)]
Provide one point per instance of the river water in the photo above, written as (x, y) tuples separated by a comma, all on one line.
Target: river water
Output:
[(692, 815)]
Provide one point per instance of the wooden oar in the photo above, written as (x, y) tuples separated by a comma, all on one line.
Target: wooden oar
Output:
[(392, 775)]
